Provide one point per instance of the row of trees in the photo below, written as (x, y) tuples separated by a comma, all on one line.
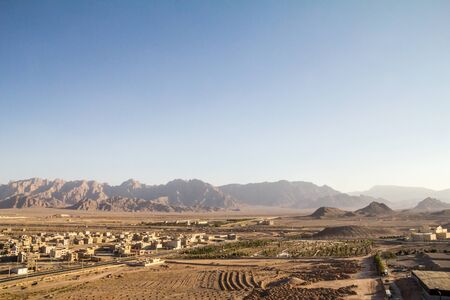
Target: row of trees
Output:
[(379, 263)]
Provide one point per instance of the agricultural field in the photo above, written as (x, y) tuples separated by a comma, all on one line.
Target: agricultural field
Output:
[(212, 279), (282, 248)]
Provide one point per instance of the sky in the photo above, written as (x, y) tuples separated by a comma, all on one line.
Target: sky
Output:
[(345, 93)]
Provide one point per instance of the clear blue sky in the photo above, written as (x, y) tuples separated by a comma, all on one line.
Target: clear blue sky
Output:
[(344, 93)]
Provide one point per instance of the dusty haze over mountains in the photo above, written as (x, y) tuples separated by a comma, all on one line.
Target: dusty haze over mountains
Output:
[(405, 196)]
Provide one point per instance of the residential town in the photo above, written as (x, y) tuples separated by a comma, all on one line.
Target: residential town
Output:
[(35, 252)]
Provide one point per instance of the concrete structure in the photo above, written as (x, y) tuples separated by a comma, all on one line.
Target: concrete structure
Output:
[(71, 256), (426, 234), (173, 244), (58, 253), (123, 250), (423, 236), (441, 233), (151, 262), (20, 270), (266, 222), (439, 261), (146, 262), (22, 257), (435, 285), (46, 249)]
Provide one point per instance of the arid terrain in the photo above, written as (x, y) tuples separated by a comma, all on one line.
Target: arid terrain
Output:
[(245, 150), (290, 255), (212, 279)]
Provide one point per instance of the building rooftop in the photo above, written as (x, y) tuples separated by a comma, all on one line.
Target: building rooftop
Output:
[(434, 280), (443, 256)]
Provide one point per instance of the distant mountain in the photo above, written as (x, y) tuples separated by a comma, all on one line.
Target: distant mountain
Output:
[(282, 193), (431, 204), (179, 195), (56, 193), (404, 196), (330, 212), (24, 202), (375, 209), (129, 196), (346, 201), (297, 194)]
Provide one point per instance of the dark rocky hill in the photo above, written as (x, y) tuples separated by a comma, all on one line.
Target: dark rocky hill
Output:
[(330, 212), (431, 204), (375, 209)]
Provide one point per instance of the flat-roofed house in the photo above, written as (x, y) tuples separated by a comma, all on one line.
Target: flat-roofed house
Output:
[(435, 285)]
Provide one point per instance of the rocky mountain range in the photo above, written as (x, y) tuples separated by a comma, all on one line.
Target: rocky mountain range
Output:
[(176, 195), (296, 194)]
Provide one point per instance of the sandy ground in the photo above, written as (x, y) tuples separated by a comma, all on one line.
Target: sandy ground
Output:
[(205, 279), (194, 279)]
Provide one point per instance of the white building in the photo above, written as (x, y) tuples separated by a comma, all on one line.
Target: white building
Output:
[(20, 270)]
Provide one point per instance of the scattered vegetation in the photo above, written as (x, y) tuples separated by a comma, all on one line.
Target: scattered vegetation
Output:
[(228, 250), (318, 248), (283, 248)]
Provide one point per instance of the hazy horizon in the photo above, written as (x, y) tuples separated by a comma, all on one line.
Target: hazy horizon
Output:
[(348, 94)]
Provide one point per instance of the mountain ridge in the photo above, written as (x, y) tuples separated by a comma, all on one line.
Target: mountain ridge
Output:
[(180, 195), (130, 195), (294, 194)]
